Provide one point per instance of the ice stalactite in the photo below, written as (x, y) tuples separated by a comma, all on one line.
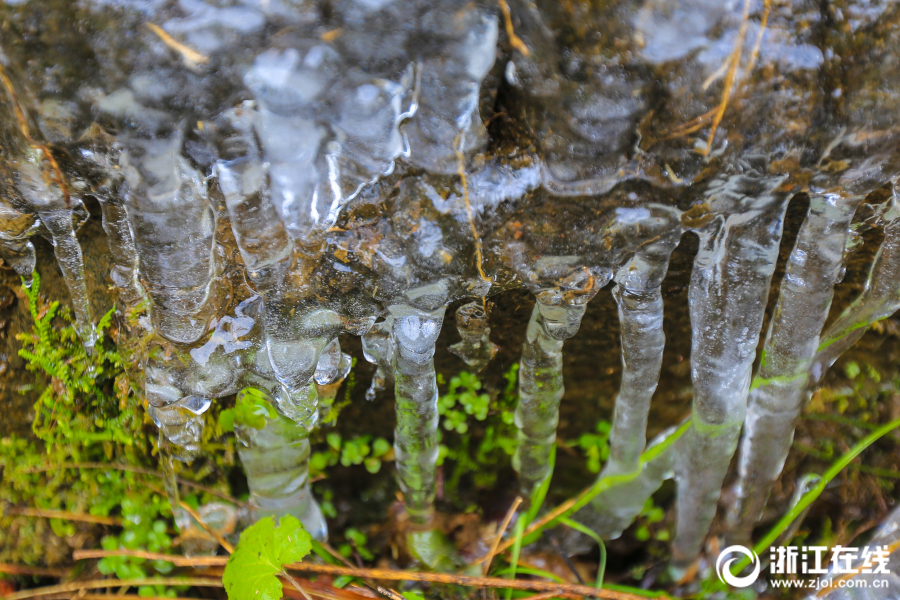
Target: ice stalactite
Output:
[(555, 318), (879, 299), (640, 302), (729, 286), (617, 506), (331, 370), (414, 332), (476, 348), (275, 455), (778, 390), (173, 225), (124, 270), (57, 211)]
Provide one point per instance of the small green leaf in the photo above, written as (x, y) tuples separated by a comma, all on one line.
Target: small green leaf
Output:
[(261, 554)]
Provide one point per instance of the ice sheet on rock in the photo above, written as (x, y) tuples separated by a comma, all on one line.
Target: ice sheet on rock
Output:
[(778, 390), (16, 226)]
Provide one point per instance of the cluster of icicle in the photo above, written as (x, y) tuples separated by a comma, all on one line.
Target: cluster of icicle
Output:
[(275, 173)]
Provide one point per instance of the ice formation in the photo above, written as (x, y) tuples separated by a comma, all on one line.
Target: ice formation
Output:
[(274, 174)]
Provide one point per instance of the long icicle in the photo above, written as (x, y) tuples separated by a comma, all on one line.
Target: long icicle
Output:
[(729, 286), (777, 391)]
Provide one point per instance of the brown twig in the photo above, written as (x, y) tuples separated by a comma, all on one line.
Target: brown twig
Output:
[(509, 515), (47, 513), (383, 574), (129, 597), (191, 56), (35, 571), (514, 40), (734, 59), (548, 595), (97, 584)]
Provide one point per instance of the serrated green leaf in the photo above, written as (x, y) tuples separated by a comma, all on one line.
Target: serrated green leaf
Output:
[(263, 550)]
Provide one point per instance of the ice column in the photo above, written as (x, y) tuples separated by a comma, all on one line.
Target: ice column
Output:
[(414, 332), (640, 302), (777, 391), (555, 318), (173, 226), (729, 286), (275, 458)]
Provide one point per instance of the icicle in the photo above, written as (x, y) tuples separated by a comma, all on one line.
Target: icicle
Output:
[(777, 391), (476, 348), (556, 317), (267, 252), (332, 369), (56, 209), (880, 299), (414, 332), (447, 120), (124, 273), (173, 226), (729, 286), (617, 506), (378, 349), (275, 457), (640, 302)]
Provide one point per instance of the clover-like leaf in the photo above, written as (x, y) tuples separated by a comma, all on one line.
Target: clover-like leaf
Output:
[(263, 550)]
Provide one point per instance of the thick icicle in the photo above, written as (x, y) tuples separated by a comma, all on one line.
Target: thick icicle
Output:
[(729, 286), (555, 318), (777, 392), (173, 226), (275, 457), (414, 333), (880, 299), (476, 348)]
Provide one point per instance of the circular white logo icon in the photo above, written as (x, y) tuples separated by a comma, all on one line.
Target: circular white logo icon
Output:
[(723, 567)]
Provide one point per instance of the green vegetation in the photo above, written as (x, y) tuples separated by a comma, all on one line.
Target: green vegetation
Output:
[(259, 558)]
